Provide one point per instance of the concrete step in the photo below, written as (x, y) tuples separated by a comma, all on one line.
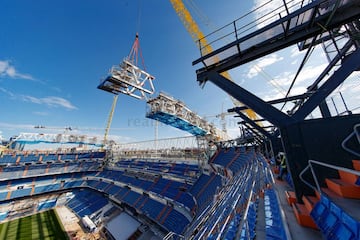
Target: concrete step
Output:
[(342, 188), (356, 164), (290, 197), (309, 202), (348, 177), (302, 215)]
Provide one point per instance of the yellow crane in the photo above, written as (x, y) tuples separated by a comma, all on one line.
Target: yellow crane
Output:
[(197, 35), (109, 121)]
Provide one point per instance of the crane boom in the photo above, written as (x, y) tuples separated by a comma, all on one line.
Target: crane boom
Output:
[(111, 114), (199, 37)]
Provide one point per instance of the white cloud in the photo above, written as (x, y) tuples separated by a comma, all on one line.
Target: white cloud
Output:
[(7, 92), (308, 74), (268, 11), (294, 52), (262, 63), (311, 72), (8, 70), (294, 62), (41, 113), (233, 132), (50, 101), (15, 126)]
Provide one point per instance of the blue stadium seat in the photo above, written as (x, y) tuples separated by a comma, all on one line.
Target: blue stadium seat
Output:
[(327, 222), (20, 193), (86, 202), (273, 223), (340, 232), (351, 223), (318, 211), (3, 195)]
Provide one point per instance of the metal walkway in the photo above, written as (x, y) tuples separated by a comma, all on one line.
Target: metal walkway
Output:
[(301, 25)]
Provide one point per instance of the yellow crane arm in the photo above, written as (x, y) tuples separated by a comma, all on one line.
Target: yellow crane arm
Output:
[(197, 35), (111, 114)]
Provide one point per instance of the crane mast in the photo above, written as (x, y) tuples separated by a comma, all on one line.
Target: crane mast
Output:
[(111, 114)]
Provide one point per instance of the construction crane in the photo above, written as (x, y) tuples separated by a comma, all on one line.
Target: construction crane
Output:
[(109, 121), (199, 38), (221, 116), (127, 78)]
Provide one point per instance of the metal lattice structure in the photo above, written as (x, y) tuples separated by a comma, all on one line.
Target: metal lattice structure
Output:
[(128, 79), (35, 138), (175, 113)]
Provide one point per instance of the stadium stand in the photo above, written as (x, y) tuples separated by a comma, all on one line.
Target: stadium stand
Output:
[(230, 205)]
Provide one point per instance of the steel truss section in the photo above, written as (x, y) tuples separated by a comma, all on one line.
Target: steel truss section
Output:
[(173, 112), (57, 138), (128, 79)]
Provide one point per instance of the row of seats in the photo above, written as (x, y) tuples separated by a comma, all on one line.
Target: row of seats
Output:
[(172, 220), (248, 230), (23, 187), (205, 189), (273, 221), (333, 222), (42, 157), (225, 156), (244, 188), (168, 216), (159, 212), (15, 172), (86, 202), (162, 186), (238, 198), (45, 205), (233, 158), (178, 169)]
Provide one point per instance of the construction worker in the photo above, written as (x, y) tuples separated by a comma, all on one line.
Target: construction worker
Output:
[(212, 149), (283, 167)]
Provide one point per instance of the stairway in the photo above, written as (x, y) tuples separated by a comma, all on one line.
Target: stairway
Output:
[(347, 185), (302, 210), (323, 211)]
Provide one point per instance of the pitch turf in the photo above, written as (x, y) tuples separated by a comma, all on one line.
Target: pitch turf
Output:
[(43, 225)]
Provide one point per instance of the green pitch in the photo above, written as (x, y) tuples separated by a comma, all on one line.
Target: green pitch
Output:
[(45, 225)]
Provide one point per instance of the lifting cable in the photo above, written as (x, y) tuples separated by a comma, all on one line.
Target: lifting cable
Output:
[(135, 51), (139, 16)]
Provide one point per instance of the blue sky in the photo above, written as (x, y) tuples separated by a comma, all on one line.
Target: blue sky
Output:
[(54, 53)]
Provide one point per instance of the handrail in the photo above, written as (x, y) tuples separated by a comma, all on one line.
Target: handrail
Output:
[(245, 213), (324, 165), (171, 234), (355, 132)]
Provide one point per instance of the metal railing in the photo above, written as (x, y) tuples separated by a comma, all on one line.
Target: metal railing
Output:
[(355, 132), (317, 187)]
